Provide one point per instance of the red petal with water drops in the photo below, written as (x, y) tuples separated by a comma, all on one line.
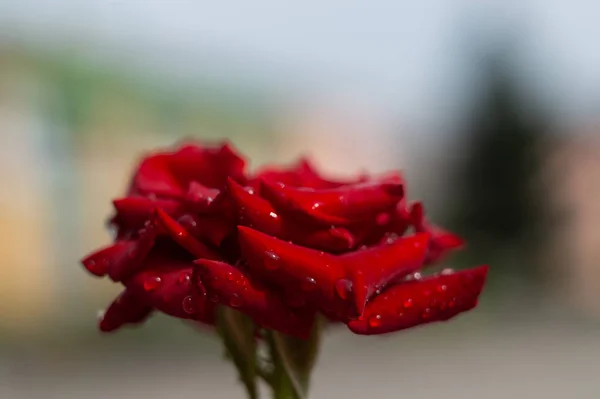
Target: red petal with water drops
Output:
[(169, 174), (298, 271), (170, 290), (122, 258), (133, 212), (183, 238), (207, 165), (258, 213), (228, 286), (341, 206), (416, 302), (370, 270), (126, 309), (303, 174), (200, 197)]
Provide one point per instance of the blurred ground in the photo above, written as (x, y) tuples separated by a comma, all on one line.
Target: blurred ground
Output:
[(540, 355)]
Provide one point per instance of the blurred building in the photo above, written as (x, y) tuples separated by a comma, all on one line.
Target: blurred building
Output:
[(575, 176)]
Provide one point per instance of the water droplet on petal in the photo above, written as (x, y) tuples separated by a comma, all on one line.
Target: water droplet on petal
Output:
[(235, 301), (426, 314), (342, 288), (152, 283), (272, 261), (230, 276), (188, 304), (441, 288), (273, 215), (375, 321), (446, 272), (407, 303), (181, 233), (309, 284), (452, 303), (417, 276), (184, 278)]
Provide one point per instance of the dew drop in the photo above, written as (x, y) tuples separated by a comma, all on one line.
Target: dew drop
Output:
[(452, 303), (184, 278), (426, 314), (417, 276), (309, 284), (152, 283), (342, 288), (188, 305), (407, 303), (375, 321), (273, 215), (235, 301), (272, 261), (230, 276), (446, 272), (441, 288), (180, 233)]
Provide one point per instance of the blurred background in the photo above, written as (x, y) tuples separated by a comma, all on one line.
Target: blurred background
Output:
[(491, 109)]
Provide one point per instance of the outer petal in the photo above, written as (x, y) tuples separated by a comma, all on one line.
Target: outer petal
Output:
[(258, 213), (305, 275), (169, 174), (230, 287), (122, 258), (126, 309), (210, 166), (341, 206), (303, 174), (134, 212), (170, 290), (417, 302), (370, 270)]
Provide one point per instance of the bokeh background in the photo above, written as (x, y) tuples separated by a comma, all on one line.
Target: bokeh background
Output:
[(491, 109)]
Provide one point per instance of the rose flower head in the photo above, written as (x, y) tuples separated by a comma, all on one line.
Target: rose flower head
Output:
[(196, 233)]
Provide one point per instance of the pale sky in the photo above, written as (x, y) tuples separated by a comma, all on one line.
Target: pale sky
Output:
[(404, 57)]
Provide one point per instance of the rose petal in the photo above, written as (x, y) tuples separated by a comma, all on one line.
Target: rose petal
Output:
[(301, 272), (370, 270), (302, 174), (421, 301), (341, 206), (122, 258), (256, 212), (169, 174), (183, 238), (125, 309), (170, 290), (134, 212), (230, 287), (200, 197)]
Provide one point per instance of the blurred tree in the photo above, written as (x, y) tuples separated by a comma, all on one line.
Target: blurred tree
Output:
[(500, 206)]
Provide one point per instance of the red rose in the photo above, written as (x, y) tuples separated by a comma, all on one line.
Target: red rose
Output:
[(196, 231)]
